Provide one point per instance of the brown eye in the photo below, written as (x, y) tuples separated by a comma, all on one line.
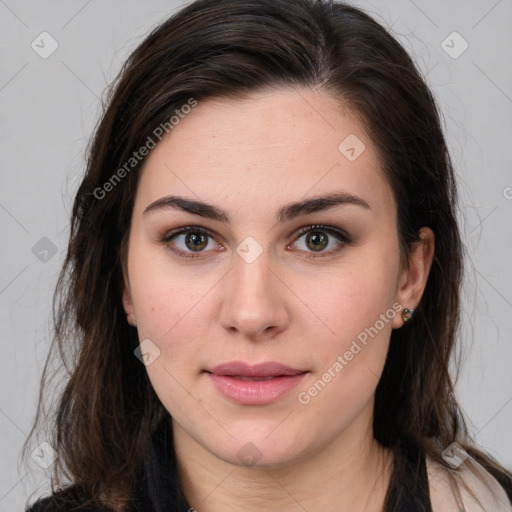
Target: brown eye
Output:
[(196, 241), (189, 240), (316, 240)]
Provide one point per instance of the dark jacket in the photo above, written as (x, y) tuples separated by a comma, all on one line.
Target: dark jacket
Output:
[(157, 488)]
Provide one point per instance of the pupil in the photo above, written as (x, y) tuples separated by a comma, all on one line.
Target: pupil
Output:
[(318, 239), (197, 241)]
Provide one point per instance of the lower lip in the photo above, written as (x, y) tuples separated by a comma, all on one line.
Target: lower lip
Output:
[(255, 392)]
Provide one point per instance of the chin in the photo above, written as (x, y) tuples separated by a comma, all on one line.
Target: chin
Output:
[(252, 448)]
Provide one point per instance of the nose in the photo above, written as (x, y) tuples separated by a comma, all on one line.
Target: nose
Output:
[(254, 303)]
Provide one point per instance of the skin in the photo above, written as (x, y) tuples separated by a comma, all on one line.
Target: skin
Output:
[(250, 157)]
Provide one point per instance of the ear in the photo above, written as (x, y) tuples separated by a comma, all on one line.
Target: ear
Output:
[(128, 304), (126, 294), (413, 278)]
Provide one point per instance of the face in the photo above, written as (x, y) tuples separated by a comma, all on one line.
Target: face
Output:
[(264, 269)]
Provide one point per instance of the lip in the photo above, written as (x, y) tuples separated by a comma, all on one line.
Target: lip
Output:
[(267, 369), (231, 380)]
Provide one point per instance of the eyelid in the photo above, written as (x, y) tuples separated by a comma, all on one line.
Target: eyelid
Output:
[(325, 227), (185, 229)]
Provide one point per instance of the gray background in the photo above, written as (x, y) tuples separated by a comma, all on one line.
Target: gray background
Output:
[(49, 108)]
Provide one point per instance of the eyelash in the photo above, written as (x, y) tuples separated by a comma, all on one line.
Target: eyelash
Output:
[(343, 238)]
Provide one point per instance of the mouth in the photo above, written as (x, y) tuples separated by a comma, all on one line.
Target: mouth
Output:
[(241, 377), (254, 384), (259, 371)]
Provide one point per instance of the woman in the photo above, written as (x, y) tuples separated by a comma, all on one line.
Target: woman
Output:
[(263, 278)]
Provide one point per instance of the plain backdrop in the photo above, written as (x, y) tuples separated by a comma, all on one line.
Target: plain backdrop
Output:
[(50, 105)]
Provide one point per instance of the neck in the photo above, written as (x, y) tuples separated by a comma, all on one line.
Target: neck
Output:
[(351, 473)]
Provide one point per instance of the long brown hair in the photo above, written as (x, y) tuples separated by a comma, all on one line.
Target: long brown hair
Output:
[(225, 48)]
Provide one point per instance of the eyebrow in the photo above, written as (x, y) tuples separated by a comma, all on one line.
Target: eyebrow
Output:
[(285, 213)]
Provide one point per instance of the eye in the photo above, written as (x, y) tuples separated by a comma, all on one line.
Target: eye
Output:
[(316, 239), (189, 240)]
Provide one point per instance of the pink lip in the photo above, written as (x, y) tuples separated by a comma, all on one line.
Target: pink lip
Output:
[(280, 379)]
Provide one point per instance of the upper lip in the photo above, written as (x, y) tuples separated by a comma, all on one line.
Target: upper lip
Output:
[(267, 369)]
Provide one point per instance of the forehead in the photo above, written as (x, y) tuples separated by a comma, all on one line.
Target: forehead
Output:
[(263, 149)]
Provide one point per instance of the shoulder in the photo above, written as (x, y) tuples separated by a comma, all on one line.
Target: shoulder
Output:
[(472, 487)]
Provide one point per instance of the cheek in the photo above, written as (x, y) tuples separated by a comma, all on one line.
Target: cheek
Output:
[(171, 312), (353, 297), (167, 298), (357, 311)]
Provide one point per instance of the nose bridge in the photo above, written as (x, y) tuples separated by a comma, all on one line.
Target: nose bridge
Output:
[(251, 285), (252, 302)]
